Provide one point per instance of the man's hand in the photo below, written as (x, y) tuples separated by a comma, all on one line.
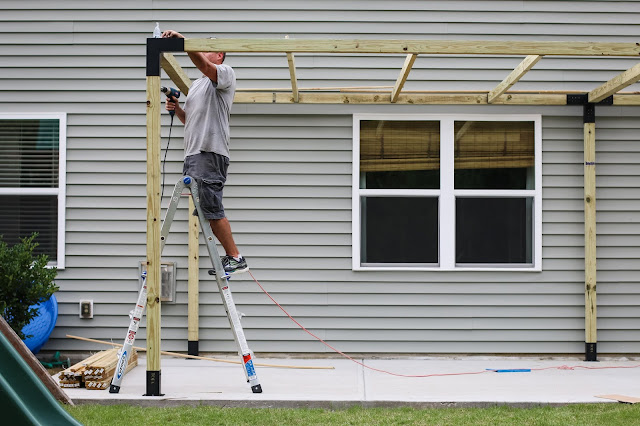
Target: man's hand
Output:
[(173, 105), (171, 34)]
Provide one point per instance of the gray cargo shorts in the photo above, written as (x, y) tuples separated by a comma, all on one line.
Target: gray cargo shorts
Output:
[(210, 172)]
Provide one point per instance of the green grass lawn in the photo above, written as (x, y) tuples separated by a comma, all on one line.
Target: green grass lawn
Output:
[(610, 414)]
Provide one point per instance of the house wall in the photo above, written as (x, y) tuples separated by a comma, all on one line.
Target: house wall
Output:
[(288, 194)]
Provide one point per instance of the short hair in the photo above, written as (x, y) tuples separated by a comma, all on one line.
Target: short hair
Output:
[(224, 54)]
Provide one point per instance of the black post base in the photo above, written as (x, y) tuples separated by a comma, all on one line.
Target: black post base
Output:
[(192, 347), (256, 389), (591, 352), (153, 384), (114, 389)]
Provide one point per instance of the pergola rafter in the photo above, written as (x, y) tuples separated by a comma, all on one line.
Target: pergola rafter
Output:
[(606, 94), (513, 77), (534, 51), (616, 84), (402, 78)]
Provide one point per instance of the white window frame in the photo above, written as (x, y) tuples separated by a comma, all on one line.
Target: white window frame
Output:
[(61, 191), (447, 193)]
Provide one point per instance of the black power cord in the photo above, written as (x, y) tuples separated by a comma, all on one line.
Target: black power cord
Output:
[(164, 160)]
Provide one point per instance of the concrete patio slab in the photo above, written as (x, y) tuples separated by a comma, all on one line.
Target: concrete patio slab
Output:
[(453, 381)]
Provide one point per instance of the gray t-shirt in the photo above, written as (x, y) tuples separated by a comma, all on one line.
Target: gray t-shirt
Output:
[(207, 110)]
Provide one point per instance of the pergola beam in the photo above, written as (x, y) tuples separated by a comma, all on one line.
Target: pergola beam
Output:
[(470, 98), (460, 47), (619, 82), (513, 77), (402, 78)]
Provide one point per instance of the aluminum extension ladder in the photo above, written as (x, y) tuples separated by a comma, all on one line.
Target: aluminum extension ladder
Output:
[(246, 355)]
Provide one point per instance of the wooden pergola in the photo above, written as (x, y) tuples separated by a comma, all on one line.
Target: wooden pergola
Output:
[(159, 56)]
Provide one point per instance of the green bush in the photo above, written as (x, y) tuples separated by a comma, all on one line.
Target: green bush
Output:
[(25, 280)]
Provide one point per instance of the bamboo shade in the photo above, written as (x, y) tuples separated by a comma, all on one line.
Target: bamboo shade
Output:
[(415, 145), (399, 145), (493, 144)]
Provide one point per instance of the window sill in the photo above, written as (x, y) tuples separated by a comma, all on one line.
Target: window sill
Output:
[(437, 268)]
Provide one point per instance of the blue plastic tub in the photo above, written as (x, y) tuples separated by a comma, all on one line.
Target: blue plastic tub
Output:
[(42, 325)]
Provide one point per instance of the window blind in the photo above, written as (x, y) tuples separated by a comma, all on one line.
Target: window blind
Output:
[(29, 153)]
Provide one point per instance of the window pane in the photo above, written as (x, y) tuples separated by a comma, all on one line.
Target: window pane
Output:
[(399, 154), (29, 153), (494, 230), (21, 215), (494, 155), (399, 230)]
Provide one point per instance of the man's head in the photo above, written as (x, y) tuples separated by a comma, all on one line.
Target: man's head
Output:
[(216, 57)]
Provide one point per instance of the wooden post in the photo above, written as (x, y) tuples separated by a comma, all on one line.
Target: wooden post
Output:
[(193, 284), (153, 235), (591, 352)]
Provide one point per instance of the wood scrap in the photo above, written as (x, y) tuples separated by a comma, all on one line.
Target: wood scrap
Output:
[(179, 355), (621, 398), (105, 381), (99, 367)]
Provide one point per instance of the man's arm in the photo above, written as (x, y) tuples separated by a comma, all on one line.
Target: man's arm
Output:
[(199, 59)]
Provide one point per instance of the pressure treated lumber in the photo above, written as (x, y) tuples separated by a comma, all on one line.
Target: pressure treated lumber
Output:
[(96, 370), (193, 288), (619, 82), (104, 383), (402, 78), (72, 377), (410, 99), (294, 78), (461, 47), (175, 72), (153, 223), (590, 232), (513, 77), (179, 355)]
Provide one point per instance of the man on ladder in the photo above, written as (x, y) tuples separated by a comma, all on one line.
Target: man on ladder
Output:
[(206, 143), (206, 138)]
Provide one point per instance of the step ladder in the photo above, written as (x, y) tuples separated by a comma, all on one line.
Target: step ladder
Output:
[(222, 279)]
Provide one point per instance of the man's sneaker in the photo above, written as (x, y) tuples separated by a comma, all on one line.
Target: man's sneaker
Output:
[(232, 266)]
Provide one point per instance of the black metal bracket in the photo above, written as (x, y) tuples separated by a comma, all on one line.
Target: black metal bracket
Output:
[(193, 347), (155, 46), (591, 352), (589, 111), (583, 98), (153, 384)]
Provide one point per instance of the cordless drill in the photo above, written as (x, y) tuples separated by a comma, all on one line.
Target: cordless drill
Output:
[(170, 91)]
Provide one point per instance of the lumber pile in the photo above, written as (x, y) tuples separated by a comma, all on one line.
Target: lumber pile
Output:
[(96, 371)]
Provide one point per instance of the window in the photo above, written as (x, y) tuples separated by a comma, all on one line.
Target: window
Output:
[(32, 180), (448, 193)]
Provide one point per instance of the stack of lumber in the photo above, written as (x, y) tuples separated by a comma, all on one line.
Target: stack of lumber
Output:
[(96, 371)]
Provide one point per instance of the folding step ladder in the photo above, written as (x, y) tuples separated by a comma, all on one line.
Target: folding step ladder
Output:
[(246, 355)]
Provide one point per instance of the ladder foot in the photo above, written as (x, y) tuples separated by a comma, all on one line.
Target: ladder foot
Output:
[(213, 273), (256, 389), (114, 389)]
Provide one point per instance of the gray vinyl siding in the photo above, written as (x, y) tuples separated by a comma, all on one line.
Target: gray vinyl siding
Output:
[(289, 190)]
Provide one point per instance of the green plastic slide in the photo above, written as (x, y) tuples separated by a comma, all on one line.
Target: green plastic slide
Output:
[(24, 400)]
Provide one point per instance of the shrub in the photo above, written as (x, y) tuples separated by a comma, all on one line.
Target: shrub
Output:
[(25, 280)]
